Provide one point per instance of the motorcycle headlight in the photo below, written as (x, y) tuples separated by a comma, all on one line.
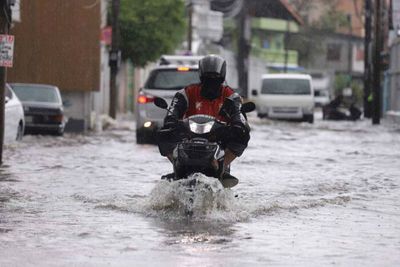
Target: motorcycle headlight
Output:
[(200, 128)]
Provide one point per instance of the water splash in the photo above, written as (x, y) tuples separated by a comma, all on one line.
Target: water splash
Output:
[(203, 199), (199, 196)]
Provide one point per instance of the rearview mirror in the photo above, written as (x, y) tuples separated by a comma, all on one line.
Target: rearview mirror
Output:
[(248, 107), (160, 102), (7, 99), (66, 103)]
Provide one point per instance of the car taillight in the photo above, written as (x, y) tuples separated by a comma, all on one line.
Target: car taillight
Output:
[(143, 99)]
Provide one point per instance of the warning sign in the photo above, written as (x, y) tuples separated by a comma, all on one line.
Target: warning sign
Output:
[(6, 50)]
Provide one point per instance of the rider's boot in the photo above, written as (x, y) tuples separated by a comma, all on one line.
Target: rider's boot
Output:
[(228, 180), (168, 177)]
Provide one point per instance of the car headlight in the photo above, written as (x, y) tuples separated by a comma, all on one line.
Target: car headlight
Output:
[(308, 110)]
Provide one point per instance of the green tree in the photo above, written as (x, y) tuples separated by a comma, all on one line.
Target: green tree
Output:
[(150, 28), (342, 81)]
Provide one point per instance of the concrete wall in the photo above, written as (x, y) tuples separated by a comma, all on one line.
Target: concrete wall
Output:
[(394, 76), (86, 109), (77, 110), (341, 65), (53, 48)]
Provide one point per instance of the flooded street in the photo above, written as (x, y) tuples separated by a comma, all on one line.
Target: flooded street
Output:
[(309, 195)]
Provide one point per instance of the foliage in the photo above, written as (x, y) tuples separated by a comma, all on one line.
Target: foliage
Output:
[(150, 28), (342, 81)]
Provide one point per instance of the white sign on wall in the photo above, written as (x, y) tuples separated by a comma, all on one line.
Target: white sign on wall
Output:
[(6, 50), (16, 11), (208, 24), (396, 16)]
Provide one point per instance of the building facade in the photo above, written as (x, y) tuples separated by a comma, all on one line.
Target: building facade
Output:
[(58, 42)]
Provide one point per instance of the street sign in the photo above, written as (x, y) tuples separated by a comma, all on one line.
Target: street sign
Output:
[(6, 50)]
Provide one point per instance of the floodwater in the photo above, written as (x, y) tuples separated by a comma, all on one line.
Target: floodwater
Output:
[(309, 195)]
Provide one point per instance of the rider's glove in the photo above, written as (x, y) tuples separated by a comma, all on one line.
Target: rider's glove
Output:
[(238, 131), (231, 107)]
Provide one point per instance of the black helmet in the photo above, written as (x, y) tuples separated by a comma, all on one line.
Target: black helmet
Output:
[(212, 72), (212, 66)]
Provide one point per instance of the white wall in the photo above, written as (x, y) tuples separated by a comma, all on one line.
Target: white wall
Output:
[(257, 68), (395, 76)]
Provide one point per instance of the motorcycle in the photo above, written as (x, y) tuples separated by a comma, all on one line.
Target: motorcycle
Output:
[(199, 146)]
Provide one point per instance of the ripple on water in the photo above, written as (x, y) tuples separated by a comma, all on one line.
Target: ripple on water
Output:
[(208, 201)]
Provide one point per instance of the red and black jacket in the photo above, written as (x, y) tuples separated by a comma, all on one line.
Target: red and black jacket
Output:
[(189, 101)]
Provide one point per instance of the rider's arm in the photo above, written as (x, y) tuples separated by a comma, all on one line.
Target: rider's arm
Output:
[(167, 142), (178, 106), (240, 130)]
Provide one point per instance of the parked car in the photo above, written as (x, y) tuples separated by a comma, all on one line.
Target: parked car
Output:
[(285, 96), (171, 74), (14, 117), (43, 107)]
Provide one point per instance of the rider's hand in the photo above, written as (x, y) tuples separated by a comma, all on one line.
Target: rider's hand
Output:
[(170, 122), (238, 130)]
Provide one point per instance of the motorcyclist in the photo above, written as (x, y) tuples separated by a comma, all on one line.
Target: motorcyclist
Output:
[(209, 97), (331, 111)]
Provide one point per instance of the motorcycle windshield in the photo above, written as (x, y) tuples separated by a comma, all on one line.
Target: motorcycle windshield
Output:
[(201, 124)]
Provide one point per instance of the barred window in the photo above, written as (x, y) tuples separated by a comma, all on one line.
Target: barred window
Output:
[(334, 52)]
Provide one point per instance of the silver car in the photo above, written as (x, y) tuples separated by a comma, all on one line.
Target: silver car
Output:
[(172, 74)]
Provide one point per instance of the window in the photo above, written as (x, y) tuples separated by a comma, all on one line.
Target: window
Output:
[(172, 79), (286, 87), (334, 52), (36, 93), (8, 92)]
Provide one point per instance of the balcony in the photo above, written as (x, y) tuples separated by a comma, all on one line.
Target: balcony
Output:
[(270, 24), (275, 56)]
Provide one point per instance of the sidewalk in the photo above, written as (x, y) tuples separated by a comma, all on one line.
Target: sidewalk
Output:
[(392, 116)]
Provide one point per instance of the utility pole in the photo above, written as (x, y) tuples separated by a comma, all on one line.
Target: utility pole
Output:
[(350, 51), (376, 101), (115, 56), (190, 26), (367, 58), (286, 46), (5, 20), (243, 49)]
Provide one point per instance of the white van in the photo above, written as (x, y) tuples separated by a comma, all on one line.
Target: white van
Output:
[(285, 96)]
